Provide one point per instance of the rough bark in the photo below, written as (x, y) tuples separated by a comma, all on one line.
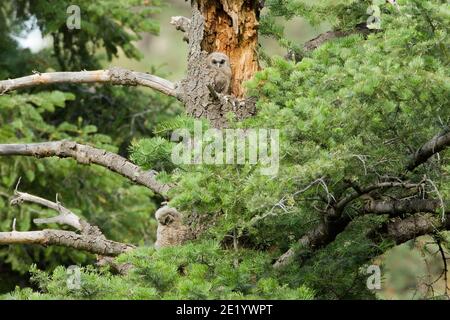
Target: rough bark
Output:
[(326, 231), (231, 27), (435, 145), (92, 244), (91, 238), (330, 35), (116, 76), (228, 26), (402, 230), (399, 207), (316, 42), (334, 221), (85, 155), (199, 99)]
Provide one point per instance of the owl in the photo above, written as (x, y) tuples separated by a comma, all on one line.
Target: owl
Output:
[(219, 64), (171, 231)]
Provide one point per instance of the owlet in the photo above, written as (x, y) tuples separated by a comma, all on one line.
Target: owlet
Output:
[(171, 231), (219, 64)]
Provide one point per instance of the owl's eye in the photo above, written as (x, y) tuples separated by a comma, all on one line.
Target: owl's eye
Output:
[(222, 61), (214, 61)]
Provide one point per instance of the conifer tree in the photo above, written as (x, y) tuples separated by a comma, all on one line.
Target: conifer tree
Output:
[(363, 118)]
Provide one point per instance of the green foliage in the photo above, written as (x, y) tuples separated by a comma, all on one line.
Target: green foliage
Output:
[(355, 108), (152, 153), (107, 25), (105, 116), (193, 271), (340, 13), (94, 193), (108, 28), (339, 271)]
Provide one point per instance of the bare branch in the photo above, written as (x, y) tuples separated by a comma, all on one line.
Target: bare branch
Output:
[(325, 232), (85, 155), (316, 42), (66, 216), (402, 230), (121, 268), (334, 222), (91, 238), (116, 76), (444, 262), (341, 204), (330, 35), (435, 145), (399, 207), (183, 24), (92, 244)]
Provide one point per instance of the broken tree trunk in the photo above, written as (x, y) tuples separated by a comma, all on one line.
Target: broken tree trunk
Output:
[(231, 27), (196, 90)]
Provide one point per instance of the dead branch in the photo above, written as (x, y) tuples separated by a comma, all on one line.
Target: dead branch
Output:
[(330, 35), (65, 216), (358, 192), (334, 221), (316, 42), (402, 230), (92, 244), (115, 76), (91, 238), (444, 262), (183, 24), (399, 207), (85, 155), (430, 148)]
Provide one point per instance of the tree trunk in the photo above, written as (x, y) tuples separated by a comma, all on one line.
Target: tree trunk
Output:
[(231, 27)]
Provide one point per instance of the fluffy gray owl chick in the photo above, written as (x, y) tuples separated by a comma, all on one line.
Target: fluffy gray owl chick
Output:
[(171, 231), (219, 64)]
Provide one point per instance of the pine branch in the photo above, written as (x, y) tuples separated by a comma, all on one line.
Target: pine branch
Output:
[(334, 221)]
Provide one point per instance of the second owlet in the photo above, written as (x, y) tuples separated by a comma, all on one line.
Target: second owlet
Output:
[(171, 231), (219, 64)]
